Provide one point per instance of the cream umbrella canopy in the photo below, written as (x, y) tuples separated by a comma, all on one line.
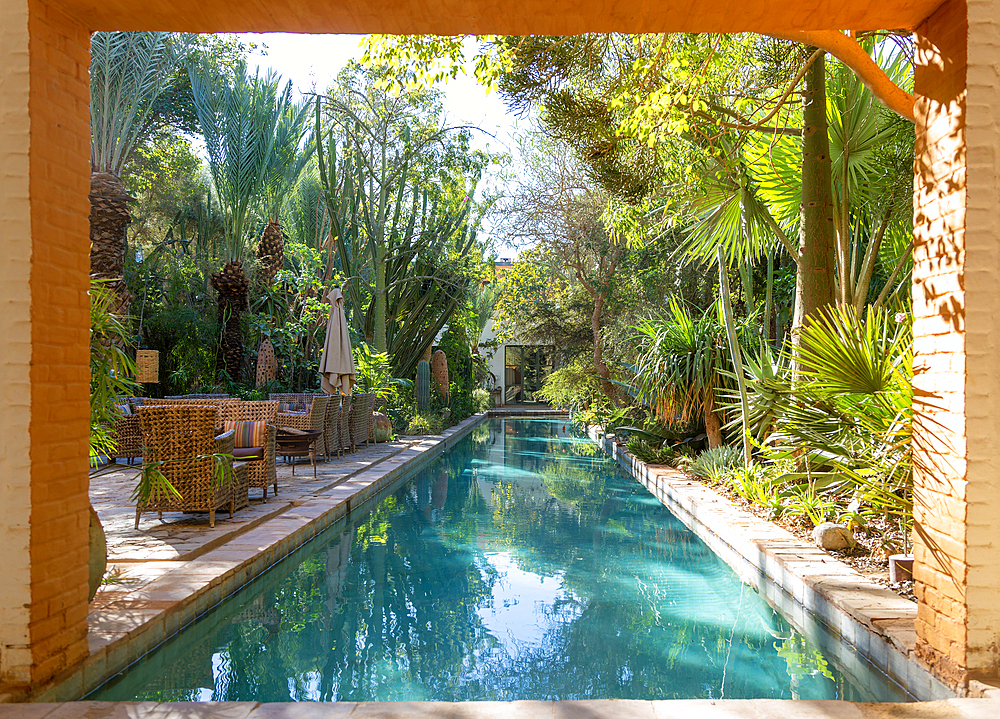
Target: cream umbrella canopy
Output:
[(337, 363)]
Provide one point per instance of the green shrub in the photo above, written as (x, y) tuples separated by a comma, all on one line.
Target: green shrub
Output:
[(425, 424), (481, 399), (572, 387), (713, 464)]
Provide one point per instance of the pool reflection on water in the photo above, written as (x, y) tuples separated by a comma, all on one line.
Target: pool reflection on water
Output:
[(521, 564)]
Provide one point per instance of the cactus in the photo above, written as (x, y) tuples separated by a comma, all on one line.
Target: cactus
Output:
[(439, 366), (423, 386)]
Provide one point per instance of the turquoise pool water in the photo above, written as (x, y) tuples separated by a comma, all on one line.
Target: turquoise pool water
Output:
[(521, 564)]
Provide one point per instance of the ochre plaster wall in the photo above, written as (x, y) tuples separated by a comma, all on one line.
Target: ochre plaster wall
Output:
[(15, 358), (60, 329), (956, 310)]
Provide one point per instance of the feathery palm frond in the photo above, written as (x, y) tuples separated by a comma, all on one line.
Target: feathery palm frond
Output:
[(238, 119), (128, 71)]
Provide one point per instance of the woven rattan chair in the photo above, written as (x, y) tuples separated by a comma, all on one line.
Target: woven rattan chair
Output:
[(197, 396), (361, 418), (331, 429), (347, 403), (127, 437), (303, 398), (183, 436), (313, 420), (263, 471), (218, 403)]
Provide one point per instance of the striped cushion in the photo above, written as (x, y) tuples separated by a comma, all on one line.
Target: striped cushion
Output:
[(291, 407), (247, 434), (125, 409)]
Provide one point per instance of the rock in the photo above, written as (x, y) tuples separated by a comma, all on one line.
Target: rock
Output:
[(383, 427), (833, 536), (98, 561)]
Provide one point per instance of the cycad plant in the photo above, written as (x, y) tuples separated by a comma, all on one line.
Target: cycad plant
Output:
[(239, 117), (128, 71)]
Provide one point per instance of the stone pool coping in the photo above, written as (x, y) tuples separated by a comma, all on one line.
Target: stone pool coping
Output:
[(187, 589), (848, 615), (592, 709)]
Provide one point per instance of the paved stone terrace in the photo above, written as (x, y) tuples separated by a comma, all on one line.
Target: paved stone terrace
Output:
[(185, 536), (596, 709)]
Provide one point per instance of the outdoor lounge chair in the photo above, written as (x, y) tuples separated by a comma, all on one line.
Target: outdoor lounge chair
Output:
[(361, 418), (127, 433), (261, 459), (313, 420), (346, 403), (183, 438), (331, 428)]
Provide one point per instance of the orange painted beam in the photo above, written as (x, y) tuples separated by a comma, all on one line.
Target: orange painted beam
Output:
[(509, 17), (848, 51)]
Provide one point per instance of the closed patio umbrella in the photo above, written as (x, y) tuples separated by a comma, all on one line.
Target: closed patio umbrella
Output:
[(337, 363)]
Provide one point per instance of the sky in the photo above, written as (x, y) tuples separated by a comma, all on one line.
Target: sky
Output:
[(312, 61)]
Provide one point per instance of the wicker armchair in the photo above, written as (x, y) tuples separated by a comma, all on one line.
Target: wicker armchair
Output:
[(261, 461), (314, 420), (331, 428), (303, 398), (127, 437), (181, 436), (217, 403), (361, 418), (197, 396), (347, 405)]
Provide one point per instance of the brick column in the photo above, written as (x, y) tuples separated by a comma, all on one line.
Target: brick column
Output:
[(15, 360), (956, 305), (44, 327)]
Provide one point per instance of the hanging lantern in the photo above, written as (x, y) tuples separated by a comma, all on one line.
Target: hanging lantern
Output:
[(147, 364)]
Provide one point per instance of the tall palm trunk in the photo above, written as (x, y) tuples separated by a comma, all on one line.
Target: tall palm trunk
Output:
[(270, 253), (109, 216), (814, 283), (231, 285)]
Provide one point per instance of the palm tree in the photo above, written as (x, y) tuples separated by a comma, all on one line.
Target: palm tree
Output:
[(288, 159), (239, 118), (128, 71)]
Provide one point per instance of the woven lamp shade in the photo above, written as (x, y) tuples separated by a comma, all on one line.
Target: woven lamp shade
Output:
[(147, 364)]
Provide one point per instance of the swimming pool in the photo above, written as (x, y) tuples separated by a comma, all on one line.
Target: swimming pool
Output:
[(521, 564)]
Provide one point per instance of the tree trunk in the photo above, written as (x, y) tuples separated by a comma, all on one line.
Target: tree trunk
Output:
[(231, 285), (814, 283), (381, 344), (603, 373), (109, 216), (713, 427)]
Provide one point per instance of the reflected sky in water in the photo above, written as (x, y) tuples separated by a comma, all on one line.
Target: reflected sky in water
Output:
[(522, 564)]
